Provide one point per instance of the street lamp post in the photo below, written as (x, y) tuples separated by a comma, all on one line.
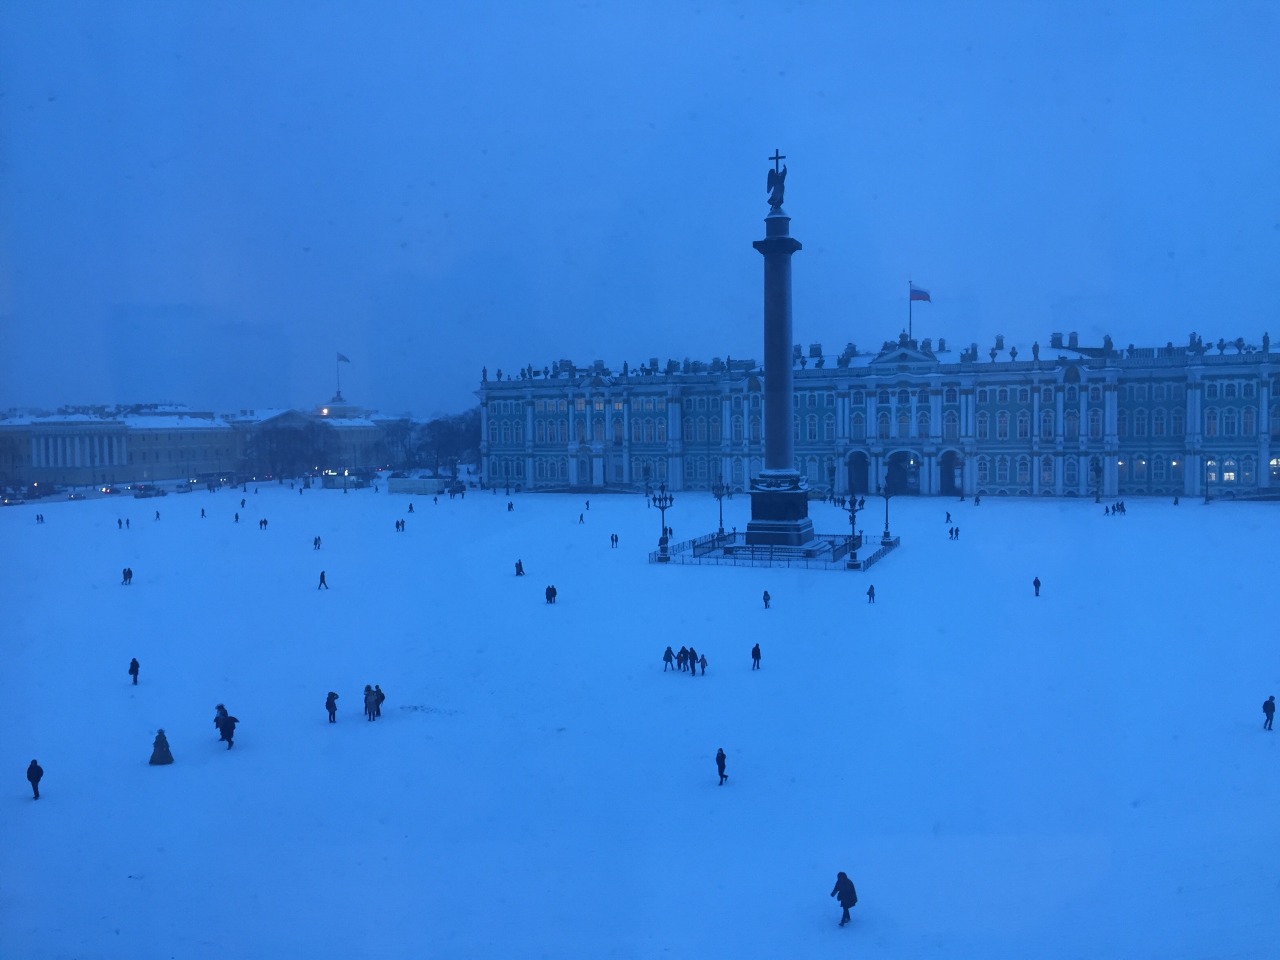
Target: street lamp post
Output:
[(718, 490), (853, 532), (886, 539), (663, 500)]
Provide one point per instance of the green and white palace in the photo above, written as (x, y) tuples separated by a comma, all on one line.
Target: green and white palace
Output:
[(1068, 420)]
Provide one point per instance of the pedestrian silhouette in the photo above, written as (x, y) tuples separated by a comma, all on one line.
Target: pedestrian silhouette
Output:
[(848, 895), (160, 753), (34, 773), (322, 582), (755, 657), (871, 594), (720, 760), (133, 670), (1036, 584), (1268, 711)]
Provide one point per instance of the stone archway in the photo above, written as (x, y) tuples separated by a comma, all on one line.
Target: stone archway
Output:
[(902, 473), (859, 471), (950, 474)]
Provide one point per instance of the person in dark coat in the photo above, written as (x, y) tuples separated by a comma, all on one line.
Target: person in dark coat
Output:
[(668, 660), (228, 728), (1036, 584), (1268, 711), (848, 896), (160, 753), (133, 670), (519, 568), (693, 662), (220, 714), (681, 657), (323, 582), (34, 773), (331, 704), (369, 698), (767, 598), (702, 662), (720, 759), (378, 697), (547, 593), (755, 657), (871, 594)]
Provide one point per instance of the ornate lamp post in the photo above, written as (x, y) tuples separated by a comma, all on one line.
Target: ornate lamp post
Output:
[(853, 532), (884, 492), (718, 490), (663, 500)]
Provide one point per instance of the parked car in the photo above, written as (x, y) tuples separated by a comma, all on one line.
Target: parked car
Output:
[(108, 489), (75, 496)]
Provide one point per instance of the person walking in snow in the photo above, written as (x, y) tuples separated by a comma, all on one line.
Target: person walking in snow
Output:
[(519, 568), (323, 582), (767, 598), (1268, 711), (124, 576), (871, 593), (702, 662), (219, 714), (547, 592), (228, 728), (369, 699), (693, 662), (682, 658), (133, 670), (848, 896), (755, 657), (331, 704), (160, 753), (1036, 584), (720, 760), (34, 773), (378, 697), (668, 659)]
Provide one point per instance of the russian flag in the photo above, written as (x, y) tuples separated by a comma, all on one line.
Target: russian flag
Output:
[(918, 294)]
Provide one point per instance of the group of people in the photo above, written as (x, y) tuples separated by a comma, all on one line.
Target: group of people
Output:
[(126, 576), (953, 533), (686, 659), (373, 697), (550, 591), (1117, 509), (399, 526)]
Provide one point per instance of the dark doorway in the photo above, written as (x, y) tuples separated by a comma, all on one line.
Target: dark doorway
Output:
[(950, 474), (902, 474), (859, 467)]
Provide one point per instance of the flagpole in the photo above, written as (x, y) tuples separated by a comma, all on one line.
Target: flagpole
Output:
[(337, 370), (910, 332)]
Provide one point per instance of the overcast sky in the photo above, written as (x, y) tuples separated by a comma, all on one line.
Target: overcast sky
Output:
[(206, 202)]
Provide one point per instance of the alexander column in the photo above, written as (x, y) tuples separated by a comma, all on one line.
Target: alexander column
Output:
[(779, 496)]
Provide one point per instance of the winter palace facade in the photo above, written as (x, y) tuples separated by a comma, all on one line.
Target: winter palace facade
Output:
[(1079, 421)]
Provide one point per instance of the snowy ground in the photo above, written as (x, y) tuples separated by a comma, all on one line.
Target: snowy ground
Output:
[(1078, 775)]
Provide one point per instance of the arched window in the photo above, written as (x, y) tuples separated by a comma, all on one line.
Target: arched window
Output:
[(795, 428), (1211, 422), (950, 425), (1158, 418), (1072, 425), (1024, 424), (829, 427), (858, 427), (1139, 468), (1229, 470), (1046, 424), (882, 425), (736, 427), (1211, 391), (1046, 471), (1246, 470), (1071, 473), (984, 471), (539, 433), (1248, 422), (1230, 422), (1229, 391), (700, 430), (904, 424), (660, 433), (857, 398), (1159, 468), (714, 424), (922, 423), (597, 430), (1095, 424), (1211, 470), (984, 426), (904, 398), (1002, 470), (1073, 394), (506, 431), (1140, 423), (637, 431), (617, 431), (883, 397), (1024, 471), (1024, 395), (950, 395), (1002, 425), (811, 427), (755, 429), (1177, 423)]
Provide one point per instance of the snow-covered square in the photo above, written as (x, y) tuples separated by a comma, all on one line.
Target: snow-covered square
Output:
[(1079, 774)]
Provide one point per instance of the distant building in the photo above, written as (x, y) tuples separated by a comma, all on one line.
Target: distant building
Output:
[(154, 443), (1081, 421)]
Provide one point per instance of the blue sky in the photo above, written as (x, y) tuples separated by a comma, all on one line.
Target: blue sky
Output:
[(205, 202)]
